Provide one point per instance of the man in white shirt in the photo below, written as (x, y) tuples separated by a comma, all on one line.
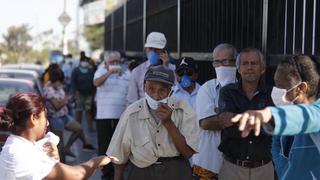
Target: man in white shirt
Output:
[(208, 161), (112, 87)]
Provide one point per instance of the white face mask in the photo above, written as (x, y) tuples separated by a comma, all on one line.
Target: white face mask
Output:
[(279, 96), (116, 67), (153, 104), (226, 75)]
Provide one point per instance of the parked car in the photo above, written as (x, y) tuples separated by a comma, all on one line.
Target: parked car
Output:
[(8, 88), (22, 74), (34, 67)]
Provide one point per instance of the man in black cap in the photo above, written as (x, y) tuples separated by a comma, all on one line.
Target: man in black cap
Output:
[(187, 88), (157, 133)]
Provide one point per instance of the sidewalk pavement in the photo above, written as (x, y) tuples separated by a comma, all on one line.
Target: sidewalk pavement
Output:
[(83, 155)]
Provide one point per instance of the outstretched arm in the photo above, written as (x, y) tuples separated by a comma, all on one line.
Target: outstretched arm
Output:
[(82, 171), (283, 120)]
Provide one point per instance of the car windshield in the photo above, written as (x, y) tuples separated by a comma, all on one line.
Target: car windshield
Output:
[(8, 89)]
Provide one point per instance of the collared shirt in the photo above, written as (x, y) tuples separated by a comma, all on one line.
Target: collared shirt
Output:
[(209, 157), (182, 94), (111, 94), (136, 87), (139, 138), (253, 148)]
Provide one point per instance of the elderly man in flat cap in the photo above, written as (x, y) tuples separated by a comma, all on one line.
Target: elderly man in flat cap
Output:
[(157, 134)]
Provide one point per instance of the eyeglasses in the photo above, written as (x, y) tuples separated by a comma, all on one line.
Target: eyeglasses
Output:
[(183, 71), (223, 62)]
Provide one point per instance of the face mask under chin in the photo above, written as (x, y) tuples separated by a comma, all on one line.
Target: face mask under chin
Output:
[(154, 104)]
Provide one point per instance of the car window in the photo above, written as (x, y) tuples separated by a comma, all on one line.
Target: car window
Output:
[(7, 90), (25, 76), (5, 75)]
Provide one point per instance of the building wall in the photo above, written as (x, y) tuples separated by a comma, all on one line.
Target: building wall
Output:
[(283, 29)]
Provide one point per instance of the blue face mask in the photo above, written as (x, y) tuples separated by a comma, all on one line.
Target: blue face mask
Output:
[(185, 81), (153, 58), (83, 69)]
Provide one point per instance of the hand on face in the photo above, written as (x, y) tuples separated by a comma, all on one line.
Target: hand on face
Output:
[(113, 71), (164, 113), (164, 56)]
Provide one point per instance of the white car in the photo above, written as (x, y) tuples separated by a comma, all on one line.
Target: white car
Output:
[(34, 67), (22, 74)]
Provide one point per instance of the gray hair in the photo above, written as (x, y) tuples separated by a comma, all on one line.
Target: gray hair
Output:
[(232, 50), (247, 50), (110, 54)]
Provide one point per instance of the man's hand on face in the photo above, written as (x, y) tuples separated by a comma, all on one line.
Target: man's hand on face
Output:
[(225, 119), (164, 113), (164, 56)]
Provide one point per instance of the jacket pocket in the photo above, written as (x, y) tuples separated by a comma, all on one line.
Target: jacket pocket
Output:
[(138, 142)]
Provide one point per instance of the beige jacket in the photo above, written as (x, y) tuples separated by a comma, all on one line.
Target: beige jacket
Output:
[(139, 138)]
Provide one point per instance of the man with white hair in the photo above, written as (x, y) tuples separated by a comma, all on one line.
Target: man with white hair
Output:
[(208, 161), (157, 55), (112, 86)]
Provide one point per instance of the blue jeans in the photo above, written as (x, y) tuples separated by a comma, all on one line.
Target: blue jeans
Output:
[(59, 123)]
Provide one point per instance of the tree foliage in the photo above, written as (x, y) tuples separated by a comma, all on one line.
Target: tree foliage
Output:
[(94, 35), (19, 46), (16, 42)]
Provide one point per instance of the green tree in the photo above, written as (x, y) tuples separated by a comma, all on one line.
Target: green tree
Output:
[(94, 35), (16, 43)]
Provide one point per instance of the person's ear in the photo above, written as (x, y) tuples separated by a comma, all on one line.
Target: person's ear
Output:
[(303, 88), (33, 121)]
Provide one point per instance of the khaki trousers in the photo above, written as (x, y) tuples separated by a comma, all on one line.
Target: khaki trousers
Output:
[(230, 171)]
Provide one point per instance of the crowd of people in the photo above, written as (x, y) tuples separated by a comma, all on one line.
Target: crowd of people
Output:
[(155, 121)]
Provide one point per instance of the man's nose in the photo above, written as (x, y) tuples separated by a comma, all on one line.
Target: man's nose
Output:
[(157, 96)]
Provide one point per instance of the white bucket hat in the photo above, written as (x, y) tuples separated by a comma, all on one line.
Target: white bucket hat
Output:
[(156, 40)]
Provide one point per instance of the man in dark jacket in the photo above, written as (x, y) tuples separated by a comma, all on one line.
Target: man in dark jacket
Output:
[(83, 90)]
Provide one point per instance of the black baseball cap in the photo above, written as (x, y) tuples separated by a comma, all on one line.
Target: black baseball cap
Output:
[(187, 63)]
